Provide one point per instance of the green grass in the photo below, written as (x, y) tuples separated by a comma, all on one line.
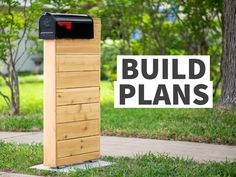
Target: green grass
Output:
[(17, 158), (200, 125), (31, 104), (31, 94), (25, 122)]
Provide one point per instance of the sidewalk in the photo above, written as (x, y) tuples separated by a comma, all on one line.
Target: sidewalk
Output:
[(7, 174), (122, 146)]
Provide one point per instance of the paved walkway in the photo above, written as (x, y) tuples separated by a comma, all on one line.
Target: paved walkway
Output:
[(7, 174), (121, 146)]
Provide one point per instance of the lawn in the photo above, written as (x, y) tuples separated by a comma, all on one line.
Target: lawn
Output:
[(200, 125), (17, 158)]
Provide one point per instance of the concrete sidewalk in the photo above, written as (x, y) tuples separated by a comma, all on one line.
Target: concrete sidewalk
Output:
[(121, 146), (7, 174)]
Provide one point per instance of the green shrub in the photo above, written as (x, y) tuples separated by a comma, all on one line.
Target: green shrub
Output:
[(109, 52)]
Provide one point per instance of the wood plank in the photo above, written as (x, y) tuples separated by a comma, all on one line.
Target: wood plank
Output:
[(77, 146), (78, 62), (78, 46), (71, 130), (79, 112), (78, 79), (49, 103), (77, 95), (97, 21), (97, 28), (78, 158)]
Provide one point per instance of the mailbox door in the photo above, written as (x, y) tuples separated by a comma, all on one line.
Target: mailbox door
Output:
[(65, 29)]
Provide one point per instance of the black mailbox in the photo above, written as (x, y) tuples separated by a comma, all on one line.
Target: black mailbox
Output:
[(56, 26)]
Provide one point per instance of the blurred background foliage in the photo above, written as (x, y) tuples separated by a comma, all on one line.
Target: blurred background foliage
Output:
[(151, 27), (154, 27)]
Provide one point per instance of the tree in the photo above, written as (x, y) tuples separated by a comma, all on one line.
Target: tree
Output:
[(17, 20), (167, 27), (202, 31), (90, 7), (228, 92)]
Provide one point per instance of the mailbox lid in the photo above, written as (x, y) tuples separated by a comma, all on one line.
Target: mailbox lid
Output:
[(47, 26), (75, 26)]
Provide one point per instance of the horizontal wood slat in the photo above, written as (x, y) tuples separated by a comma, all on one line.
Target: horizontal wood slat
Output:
[(79, 112), (78, 62), (78, 95), (70, 46), (78, 129), (77, 146), (78, 79), (78, 158)]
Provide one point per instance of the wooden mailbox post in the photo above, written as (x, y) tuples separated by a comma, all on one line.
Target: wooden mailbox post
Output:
[(71, 98)]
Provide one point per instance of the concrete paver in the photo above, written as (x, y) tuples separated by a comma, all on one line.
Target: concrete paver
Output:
[(125, 146)]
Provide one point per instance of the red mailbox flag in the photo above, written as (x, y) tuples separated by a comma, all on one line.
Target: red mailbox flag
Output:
[(67, 24)]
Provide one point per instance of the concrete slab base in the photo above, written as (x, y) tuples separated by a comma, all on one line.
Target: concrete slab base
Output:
[(82, 166)]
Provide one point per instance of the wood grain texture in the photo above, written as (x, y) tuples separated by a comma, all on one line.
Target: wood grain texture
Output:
[(77, 95), (75, 46), (71, 130), (79, 112), (78, 62), (49, 103), (78, 158), (97, 21), (77, 146), (78, 79), (71, 100)]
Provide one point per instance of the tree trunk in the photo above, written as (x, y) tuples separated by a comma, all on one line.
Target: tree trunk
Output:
[(15, 93), (228, 92)]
